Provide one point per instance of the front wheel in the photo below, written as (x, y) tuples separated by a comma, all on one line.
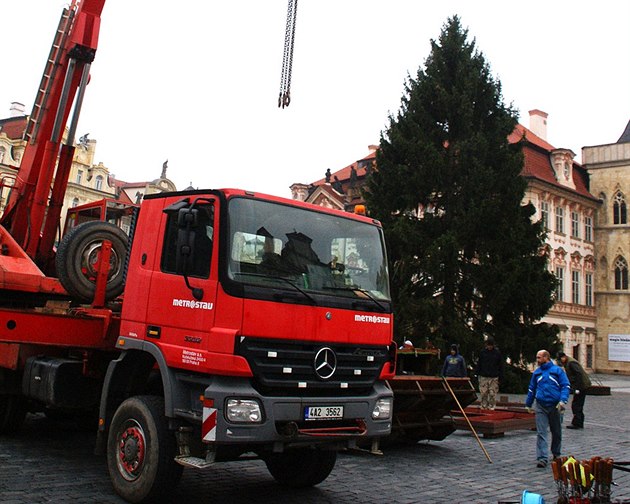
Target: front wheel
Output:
[(141, 451), (304, 467)]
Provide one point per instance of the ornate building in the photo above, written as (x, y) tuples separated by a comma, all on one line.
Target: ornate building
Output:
[(88, 181), (609, 169), (559, 189)]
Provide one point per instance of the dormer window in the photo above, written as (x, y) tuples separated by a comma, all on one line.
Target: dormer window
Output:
[(562, 164)]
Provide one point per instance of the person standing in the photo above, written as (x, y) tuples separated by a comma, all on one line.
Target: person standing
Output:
[(490, 372), (580, 381), (454, 364), (550, 387)]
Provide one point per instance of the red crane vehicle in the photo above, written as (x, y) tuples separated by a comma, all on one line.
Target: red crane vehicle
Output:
[(228, 323)]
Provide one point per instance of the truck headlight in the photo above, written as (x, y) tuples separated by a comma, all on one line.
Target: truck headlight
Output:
[(382, 409), (243, 411)]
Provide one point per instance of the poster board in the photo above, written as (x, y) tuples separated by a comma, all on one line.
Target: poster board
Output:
[(619, 347)]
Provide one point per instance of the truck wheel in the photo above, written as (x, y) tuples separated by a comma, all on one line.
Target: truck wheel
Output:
[(77, 259), (301, 468), (141, 451), (12, 413)]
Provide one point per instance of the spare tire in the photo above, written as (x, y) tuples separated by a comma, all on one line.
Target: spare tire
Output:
[(78, 255)]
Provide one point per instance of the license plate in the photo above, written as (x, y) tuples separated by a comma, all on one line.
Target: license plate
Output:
[(323, 412)]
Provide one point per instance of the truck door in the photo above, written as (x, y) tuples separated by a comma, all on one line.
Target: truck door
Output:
[(181, 304)]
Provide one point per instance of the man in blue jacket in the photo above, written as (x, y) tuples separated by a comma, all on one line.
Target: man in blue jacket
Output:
[(550, 387)]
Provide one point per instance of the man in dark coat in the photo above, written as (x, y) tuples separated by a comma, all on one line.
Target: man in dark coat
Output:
[(490, 372), (580, 381)]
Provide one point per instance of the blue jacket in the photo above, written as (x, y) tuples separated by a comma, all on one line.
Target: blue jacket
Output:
[(454, 366), (549, 385)]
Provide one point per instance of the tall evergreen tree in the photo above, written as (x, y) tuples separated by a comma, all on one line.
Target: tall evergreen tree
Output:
[(463, 250)]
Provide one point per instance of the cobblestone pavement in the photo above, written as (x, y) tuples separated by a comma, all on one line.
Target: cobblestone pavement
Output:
[(53, 462)]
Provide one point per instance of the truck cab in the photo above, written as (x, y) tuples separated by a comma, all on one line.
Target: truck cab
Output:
[(266, 325)]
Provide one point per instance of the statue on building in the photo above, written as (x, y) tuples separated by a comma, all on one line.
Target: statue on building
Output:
[(164, 168), (337, 185), (83, 141), (328, 176), (353, 176)]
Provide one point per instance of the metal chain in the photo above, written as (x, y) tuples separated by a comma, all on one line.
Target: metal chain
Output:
[(284, 97)]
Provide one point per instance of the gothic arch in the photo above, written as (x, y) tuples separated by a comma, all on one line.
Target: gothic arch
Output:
[(620, 267), (620, 208)]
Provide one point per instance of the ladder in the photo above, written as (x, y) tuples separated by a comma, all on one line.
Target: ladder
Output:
[(43, 93)]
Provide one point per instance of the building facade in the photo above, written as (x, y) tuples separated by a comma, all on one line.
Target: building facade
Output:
[(609, 169)]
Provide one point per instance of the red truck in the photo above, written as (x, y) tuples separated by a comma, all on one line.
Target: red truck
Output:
[(226, 324)]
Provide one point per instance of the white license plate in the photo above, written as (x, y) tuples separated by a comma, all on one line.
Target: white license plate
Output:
[(323, 412)]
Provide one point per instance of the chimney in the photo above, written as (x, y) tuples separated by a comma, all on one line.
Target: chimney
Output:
[(538, 123), (17, 109)]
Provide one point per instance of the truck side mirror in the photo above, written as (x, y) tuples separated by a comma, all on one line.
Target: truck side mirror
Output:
[(187, 219)]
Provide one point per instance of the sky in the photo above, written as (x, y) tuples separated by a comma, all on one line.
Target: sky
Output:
[(197, 82)]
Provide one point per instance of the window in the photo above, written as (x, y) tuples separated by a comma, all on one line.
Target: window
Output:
[(575, 224), (202, 244), (575, 287), (576, 352), (544, 214), (276, 247), (98, 183), (589, 356), (559, 219), (75, 202), (588, 228), (621, 274), (560, 286), (620, 211), (79, 176), (588, 294)]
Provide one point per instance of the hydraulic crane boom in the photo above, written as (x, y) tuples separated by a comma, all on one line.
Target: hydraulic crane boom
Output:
[(33, 210)]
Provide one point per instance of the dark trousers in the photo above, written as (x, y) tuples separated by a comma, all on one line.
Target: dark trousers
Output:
[(577, 407)]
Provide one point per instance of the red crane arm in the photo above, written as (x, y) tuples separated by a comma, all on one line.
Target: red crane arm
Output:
[(32, 212)]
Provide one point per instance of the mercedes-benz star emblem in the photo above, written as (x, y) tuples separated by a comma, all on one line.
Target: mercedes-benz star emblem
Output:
[(325, 363)]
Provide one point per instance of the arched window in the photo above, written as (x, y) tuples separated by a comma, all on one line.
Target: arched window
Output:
[(621, 274), (620, 211), (75, 202), (98, 184)]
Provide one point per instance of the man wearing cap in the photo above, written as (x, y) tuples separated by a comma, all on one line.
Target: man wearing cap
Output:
[(550, 387), (490, 372), (454, 364), (580, 381)]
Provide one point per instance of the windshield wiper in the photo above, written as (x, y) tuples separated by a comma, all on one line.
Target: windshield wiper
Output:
[(362, 291), (285, 280)]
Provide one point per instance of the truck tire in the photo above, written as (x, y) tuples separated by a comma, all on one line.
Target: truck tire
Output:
[(77, 260), (304, 467), (12, 413), (141, 451)]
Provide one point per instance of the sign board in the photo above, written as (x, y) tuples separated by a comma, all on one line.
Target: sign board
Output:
[(619, 347)]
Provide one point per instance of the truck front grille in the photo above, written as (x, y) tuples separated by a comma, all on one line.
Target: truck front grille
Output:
[(284, 367)]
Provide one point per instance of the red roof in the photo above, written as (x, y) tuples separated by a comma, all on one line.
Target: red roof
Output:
[(537, 163), (13, 127), (344, 173), (536, 152)]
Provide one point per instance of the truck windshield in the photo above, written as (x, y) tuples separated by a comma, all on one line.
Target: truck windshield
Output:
[(283, 247)]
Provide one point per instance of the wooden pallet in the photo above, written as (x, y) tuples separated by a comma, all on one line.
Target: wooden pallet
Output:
[(495, 423)]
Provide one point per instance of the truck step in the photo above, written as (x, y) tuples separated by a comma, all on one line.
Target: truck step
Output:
[(194, 462)]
